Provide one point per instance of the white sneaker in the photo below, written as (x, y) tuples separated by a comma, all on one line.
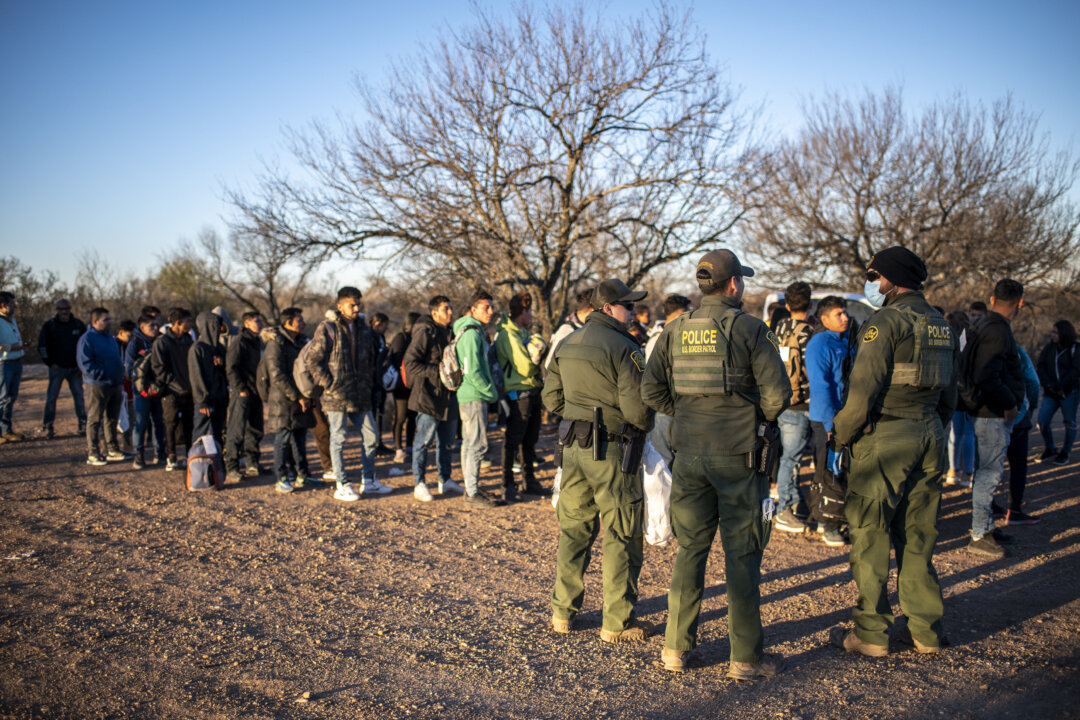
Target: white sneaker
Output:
[(345, 493), (449, 486), (374, 487), (329, 476), (422, 493)]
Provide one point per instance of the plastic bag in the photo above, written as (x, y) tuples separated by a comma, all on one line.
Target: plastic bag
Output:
[(657, 482), (555, 488)]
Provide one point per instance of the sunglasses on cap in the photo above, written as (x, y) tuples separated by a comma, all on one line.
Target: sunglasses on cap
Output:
[(872, 276)]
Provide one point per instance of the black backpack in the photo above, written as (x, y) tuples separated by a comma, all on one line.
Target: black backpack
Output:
[(968, 398)]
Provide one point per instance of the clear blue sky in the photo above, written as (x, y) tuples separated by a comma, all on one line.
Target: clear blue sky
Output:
[(121, 122)]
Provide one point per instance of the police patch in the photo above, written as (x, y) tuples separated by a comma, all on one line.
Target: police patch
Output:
[(771, 337), (870, 335), (638, 360)]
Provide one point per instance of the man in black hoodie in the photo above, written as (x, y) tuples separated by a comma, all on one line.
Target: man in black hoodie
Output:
[(1059, 374), (206, 368), (168, 360), (56, 345), (997, 381), (147, 406), (245, 428)]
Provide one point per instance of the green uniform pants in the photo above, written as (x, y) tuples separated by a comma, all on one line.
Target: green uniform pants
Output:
[(709, 492), (594, 492), (894, 492)]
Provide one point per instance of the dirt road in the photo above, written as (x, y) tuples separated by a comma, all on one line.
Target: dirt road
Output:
[(123, 595)]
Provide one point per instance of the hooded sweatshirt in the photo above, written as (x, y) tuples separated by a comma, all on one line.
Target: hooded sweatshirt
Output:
[(1058, 368), (206, 364), (511, 348), (472, 355)]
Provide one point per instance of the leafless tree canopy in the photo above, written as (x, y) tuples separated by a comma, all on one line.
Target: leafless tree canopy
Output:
[(975, 192), (517, 152)]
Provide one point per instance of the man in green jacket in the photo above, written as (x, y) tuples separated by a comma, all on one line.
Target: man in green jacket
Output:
[(522, 377), (718, 371), (476, 391), (901, 396), (596, 376)]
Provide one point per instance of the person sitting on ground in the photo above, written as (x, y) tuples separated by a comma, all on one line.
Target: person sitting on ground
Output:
[(1059, 375), (57, 341), (103, 371)]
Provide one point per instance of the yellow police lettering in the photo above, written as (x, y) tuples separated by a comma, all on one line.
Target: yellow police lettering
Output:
[(698, 341)]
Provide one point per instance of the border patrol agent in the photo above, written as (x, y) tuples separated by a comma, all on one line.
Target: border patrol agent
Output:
[(594, 384), (901, 396), (718, 371)]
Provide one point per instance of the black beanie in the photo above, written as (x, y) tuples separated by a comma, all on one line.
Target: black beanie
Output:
[(900, 266)]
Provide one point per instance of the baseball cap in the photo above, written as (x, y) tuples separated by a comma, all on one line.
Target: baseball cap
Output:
[(720, 265), (615, 291)]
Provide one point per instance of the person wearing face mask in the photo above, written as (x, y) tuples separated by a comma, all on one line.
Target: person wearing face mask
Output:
[(594, 384), (902, 392), (718, 371)]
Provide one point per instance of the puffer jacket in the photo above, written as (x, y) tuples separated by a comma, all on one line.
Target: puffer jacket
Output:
[(283, 402), (343, 364), (427, 394), (206, 364)]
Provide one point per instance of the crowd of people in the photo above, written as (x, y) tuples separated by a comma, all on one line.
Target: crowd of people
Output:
[(888, 413)]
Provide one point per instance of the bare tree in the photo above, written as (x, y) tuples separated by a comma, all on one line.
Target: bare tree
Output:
[(975, 192), (517, 151)]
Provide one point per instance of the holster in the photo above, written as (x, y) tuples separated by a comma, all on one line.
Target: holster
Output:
[(764, 459), (632, 445), (597, 429), (566, 436)]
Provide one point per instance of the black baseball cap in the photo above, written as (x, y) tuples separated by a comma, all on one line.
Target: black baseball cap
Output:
[(615, 290), (719, 266)]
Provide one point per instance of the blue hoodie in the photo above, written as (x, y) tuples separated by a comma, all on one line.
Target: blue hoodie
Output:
[(99, 359), (825, 355)]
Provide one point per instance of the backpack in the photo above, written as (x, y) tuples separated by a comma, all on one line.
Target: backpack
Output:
[(968, 398), (303, 378), (794, 361), (142, 376), (204, 468), (450, 372)]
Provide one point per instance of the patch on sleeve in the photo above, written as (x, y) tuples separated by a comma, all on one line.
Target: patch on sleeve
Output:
[(771, 337), (639, 360), (870, 335)]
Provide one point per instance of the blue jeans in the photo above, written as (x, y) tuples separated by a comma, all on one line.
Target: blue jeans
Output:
[(290, 454), (365, 423), (10, 376), (148, 415), (1051, 405), (428, 429), (794, 432), (961, 443), (474, 441), (57, 376), (991, 440)]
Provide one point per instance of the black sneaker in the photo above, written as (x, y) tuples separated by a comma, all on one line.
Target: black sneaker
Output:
[(48, 432), (535, 488), (139, 463), (1047, 454), (510, 494), (481, 500), (986, 546), (1061, 459), (1002, 538), (1019, 517)]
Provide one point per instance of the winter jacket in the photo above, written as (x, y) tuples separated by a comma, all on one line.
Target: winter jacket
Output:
[(57, 342), (342, 363), (825, 354), (427, 394), (995, 367), (242, 362), (140, 344), (206, 364), (1059, 368), (569, 325), (511, 344), (99, 359), (168, 360), (472, 354), (283, 403), (396, 355)]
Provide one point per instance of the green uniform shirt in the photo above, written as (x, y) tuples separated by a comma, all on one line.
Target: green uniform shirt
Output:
[(708, 420), (599, 365), (887, 346)]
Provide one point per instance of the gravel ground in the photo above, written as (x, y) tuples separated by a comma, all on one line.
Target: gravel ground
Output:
[(123, 595)]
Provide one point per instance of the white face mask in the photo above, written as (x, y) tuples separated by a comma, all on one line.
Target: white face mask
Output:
[(872, 291)]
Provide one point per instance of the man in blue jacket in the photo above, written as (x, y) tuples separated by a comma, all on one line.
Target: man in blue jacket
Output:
[(103, 374), (828, 357)]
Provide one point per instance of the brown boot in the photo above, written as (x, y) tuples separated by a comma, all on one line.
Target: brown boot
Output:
[(561, 625), (904, 638), (766, 666), (850, 642), (674, 660), (635, 631)]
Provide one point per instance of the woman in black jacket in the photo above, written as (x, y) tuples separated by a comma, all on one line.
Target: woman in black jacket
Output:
[(1059, 375)]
